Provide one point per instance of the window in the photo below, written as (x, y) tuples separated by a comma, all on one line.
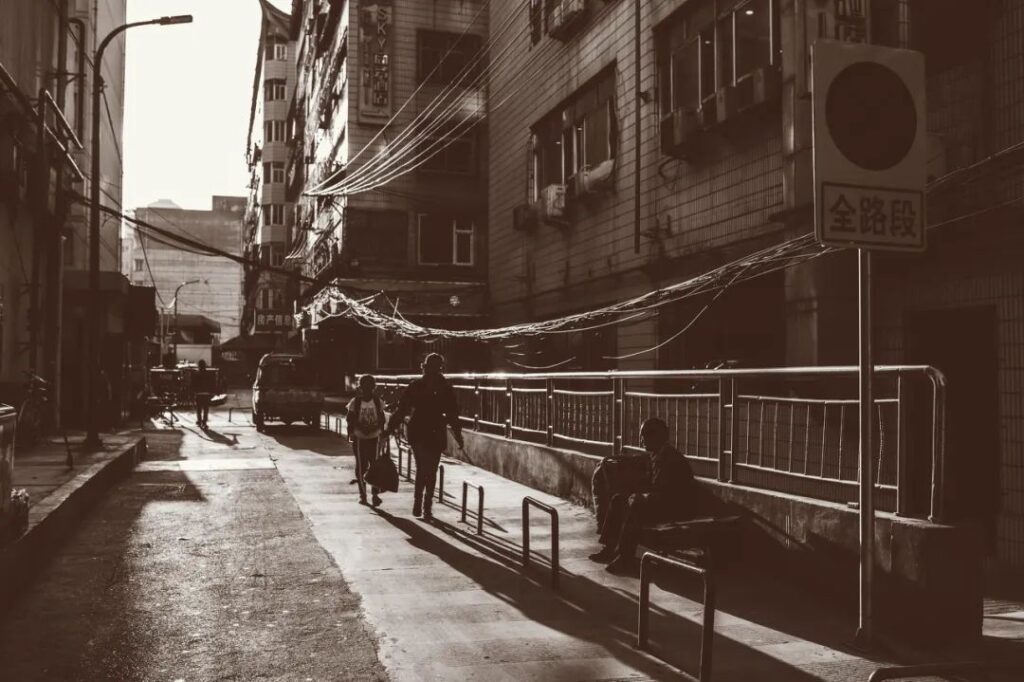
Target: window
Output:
[(274, 89), (451, 155), (273, 131), (579, 134), (263, 302), (276, 256), (444, 240), (139, 264), (273, 171), (691, 66), (447, 57), (273, 214), (276, 48)]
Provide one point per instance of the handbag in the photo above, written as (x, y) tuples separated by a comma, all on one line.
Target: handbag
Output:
[(382, 472)]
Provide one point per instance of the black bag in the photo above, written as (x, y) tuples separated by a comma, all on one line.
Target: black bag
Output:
[(382, 472)]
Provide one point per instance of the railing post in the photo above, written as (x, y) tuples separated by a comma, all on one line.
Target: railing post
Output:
[(618, 420), (479, 404), (734, 427), (901, 449), (722, 398), (549, 410), (511, 405)]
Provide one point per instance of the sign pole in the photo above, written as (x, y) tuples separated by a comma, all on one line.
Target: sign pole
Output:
[(867, 478)]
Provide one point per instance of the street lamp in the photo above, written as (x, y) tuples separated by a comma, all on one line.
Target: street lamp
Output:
[(176, 330), (92, 438)]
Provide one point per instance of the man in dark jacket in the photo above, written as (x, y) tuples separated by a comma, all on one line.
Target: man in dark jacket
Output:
[(202, 389), (670, 493), (430, 403)]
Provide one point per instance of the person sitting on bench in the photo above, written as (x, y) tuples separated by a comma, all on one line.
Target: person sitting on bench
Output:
[(668, 494), (613, 476)]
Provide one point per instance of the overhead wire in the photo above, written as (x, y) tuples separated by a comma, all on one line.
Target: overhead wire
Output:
[(483, 6), (410, 137)]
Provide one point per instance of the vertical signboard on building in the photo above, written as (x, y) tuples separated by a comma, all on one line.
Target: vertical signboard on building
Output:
[(376, 29)]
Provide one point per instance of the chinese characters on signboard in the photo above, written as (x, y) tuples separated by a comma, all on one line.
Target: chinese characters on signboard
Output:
[(270, 322), (375, 39), (865, 216)]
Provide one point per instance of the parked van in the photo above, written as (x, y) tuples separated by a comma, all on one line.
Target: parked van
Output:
[(286, 390)]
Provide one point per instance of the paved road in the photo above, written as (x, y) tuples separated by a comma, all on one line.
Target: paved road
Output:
[(198, 567)]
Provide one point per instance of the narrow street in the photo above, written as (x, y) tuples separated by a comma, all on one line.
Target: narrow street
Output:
[(200, 566)]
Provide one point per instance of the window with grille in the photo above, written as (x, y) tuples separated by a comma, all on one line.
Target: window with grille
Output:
[(445, 240)]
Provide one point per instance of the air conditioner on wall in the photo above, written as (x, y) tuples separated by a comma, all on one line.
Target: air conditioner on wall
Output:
[(552, 202), (565, 15), (725, 103), (676, 129)]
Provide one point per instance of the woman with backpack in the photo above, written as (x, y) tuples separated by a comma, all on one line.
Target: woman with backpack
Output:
[(365, 419)]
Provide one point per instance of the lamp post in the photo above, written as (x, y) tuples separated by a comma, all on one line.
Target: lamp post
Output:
[(92, 438), (176, 330)]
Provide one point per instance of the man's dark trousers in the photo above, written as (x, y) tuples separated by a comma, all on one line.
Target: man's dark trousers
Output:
[(427, 456), (627, 514)]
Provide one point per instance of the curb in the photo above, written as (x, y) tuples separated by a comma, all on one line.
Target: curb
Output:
[(53, 518)]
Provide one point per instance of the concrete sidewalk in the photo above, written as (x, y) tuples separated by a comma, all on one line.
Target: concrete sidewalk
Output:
[(60, 496), (447, 604)]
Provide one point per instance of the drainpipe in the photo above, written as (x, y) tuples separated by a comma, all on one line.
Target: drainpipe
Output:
[(637, 100)]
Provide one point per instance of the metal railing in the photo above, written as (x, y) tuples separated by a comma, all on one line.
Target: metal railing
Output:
[(790, 429), (527, 503), (707, 635)]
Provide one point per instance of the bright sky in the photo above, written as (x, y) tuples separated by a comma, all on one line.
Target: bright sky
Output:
[(187, 94)]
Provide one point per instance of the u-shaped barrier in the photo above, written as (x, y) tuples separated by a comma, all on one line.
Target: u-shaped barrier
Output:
[(708, 632), (480, 505), (531, 502)]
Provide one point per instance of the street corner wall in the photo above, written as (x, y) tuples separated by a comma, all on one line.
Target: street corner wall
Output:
[(928, 577)]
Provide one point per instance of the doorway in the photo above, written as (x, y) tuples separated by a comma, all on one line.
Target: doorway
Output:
[(962, 342)]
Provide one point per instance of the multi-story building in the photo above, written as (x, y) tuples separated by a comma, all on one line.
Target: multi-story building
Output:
[(611, 178), (214, 287), (270, 218), (383, 88), (46, 54)]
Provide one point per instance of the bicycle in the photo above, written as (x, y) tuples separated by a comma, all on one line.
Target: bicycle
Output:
[(36, 414)]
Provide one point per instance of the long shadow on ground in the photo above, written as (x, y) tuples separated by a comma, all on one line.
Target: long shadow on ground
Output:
[(589, 611)]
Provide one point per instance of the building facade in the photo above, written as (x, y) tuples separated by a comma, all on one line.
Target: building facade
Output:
[(389, 110), (46, 54), (270, 217), (612, 177), (214, 288)]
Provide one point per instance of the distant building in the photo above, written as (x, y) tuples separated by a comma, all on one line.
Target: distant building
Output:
[(216, 288), (269, 217)]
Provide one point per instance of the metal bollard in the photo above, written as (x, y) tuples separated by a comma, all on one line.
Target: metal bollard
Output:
[(480, 505), (527, 503), (708, 632)]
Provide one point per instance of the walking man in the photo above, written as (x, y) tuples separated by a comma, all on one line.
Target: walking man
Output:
[(431, 403), (202, 389), (668, 494), (365, 419)]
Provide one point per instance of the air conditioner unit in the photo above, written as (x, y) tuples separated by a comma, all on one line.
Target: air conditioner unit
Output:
[(565, 16), (552, 202), (725, 103), (677, 127), (707, 115), (767, 84), (524, 217), (594, 180)]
